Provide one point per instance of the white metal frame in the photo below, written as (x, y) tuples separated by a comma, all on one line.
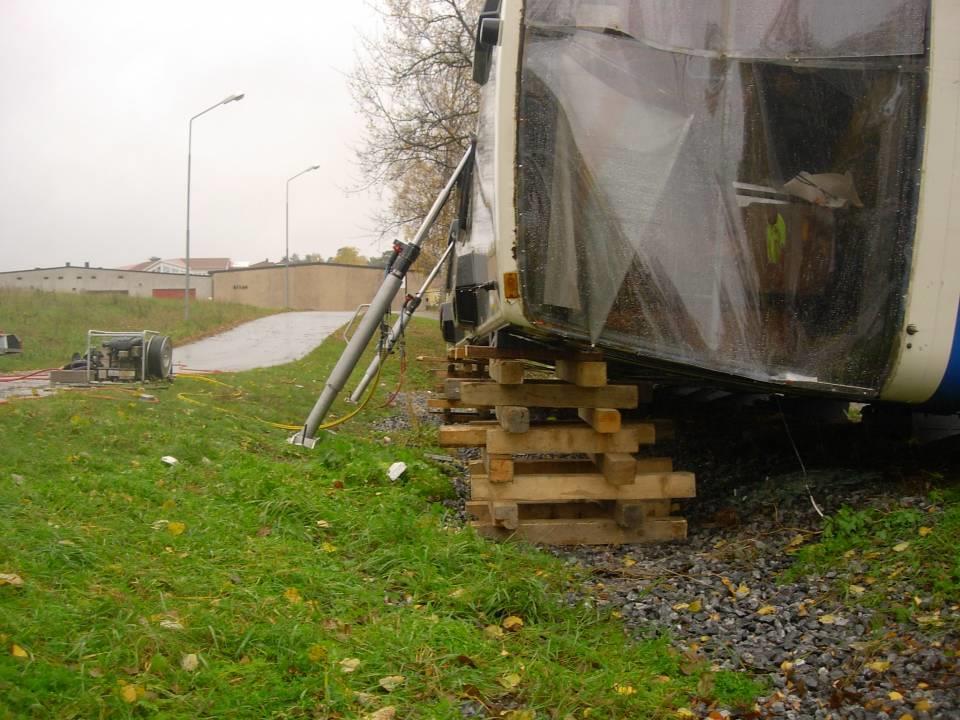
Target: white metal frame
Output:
[(934, 288)]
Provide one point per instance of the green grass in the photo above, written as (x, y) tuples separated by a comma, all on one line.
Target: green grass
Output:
[(287, 563), (902, 562), (53, 326)]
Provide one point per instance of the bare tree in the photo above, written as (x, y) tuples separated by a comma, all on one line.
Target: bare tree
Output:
[(413, 85)]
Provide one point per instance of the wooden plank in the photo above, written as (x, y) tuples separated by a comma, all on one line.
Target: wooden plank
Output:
[(603, 420), (632, 513), (499, 468), (513, 418), (587, 531), (463, 353), (447, 404), (585, 467), (506, 372), (584, 374), (585, 486), (548, 395), (617, 468), (505, 514), (568, 438), (468, 435), (479, 509)]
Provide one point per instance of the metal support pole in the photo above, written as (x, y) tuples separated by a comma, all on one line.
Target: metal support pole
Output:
[(286, 256), (371, 321), (186, 284), (186, 287), (396, 332)]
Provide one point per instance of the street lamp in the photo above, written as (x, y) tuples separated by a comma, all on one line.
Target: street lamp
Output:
[(286, 256), (186, 292)]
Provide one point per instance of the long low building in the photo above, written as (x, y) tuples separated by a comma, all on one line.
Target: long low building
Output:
[(86, 279), (313, 286)]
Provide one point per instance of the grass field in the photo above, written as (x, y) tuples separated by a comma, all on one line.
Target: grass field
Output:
[(255, 579), (53, 326)]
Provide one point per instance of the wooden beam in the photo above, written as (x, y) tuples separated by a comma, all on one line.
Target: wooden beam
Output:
[(632, 513), (568, 438), (463, 353), (479, 509), (499, 468), (548, 395), (584, 374), (513, 418), (469, 435), (506, 372), (617, 468), (588, 531), (505, 514), (603, 420), (446, 404), (585, 467), (584, 486)]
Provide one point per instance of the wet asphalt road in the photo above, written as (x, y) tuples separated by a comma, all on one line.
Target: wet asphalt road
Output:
[(272, 340)]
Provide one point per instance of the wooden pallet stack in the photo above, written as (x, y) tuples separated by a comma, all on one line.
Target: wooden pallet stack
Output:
[(582, 480)]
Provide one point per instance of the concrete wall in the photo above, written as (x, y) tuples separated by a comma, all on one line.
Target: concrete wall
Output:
[(313, 286), (87, 280)]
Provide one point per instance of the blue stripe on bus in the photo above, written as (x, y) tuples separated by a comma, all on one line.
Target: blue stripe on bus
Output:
[(947, 396)]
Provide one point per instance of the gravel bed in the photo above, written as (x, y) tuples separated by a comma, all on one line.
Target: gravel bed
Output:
[(720, 594), (720, 597)]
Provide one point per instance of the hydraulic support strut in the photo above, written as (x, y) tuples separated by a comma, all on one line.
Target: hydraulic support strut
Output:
[(378, 307), (396, 332)]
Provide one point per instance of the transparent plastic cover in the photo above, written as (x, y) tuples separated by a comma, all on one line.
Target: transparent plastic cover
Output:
[(727, 185)]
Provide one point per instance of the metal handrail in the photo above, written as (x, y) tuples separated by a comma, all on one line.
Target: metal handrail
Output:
[(346, 331)]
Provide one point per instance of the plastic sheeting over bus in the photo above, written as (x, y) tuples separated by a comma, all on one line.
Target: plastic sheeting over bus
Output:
[(726, 184)]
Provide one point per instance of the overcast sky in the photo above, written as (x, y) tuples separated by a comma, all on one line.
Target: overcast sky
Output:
[(95, 97)]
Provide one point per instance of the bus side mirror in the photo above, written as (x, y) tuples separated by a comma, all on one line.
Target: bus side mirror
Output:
[(486, 38)]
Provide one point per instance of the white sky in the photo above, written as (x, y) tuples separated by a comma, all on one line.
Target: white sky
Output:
[(95, 96)]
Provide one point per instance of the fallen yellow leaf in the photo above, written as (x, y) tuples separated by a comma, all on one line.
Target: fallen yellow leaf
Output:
[(512, 623), (629, 562), (348, 665), (11, 579), (316, 653), (520, 715), (681, 606), (857, 589), (510, 680), (384, 713), (391, 682), (767, 610), (493, 631), (826, 619), (686, 713), (18, 651), (624, 689), (900, 547), (924, 531), (696, 606), (879, 665), (923, 705), (328, 547), (128, 693), (293, 596), (895, 696), (190, 662)]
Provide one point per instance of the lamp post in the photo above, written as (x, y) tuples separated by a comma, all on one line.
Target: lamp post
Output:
[(186, 292), (286, 252)]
